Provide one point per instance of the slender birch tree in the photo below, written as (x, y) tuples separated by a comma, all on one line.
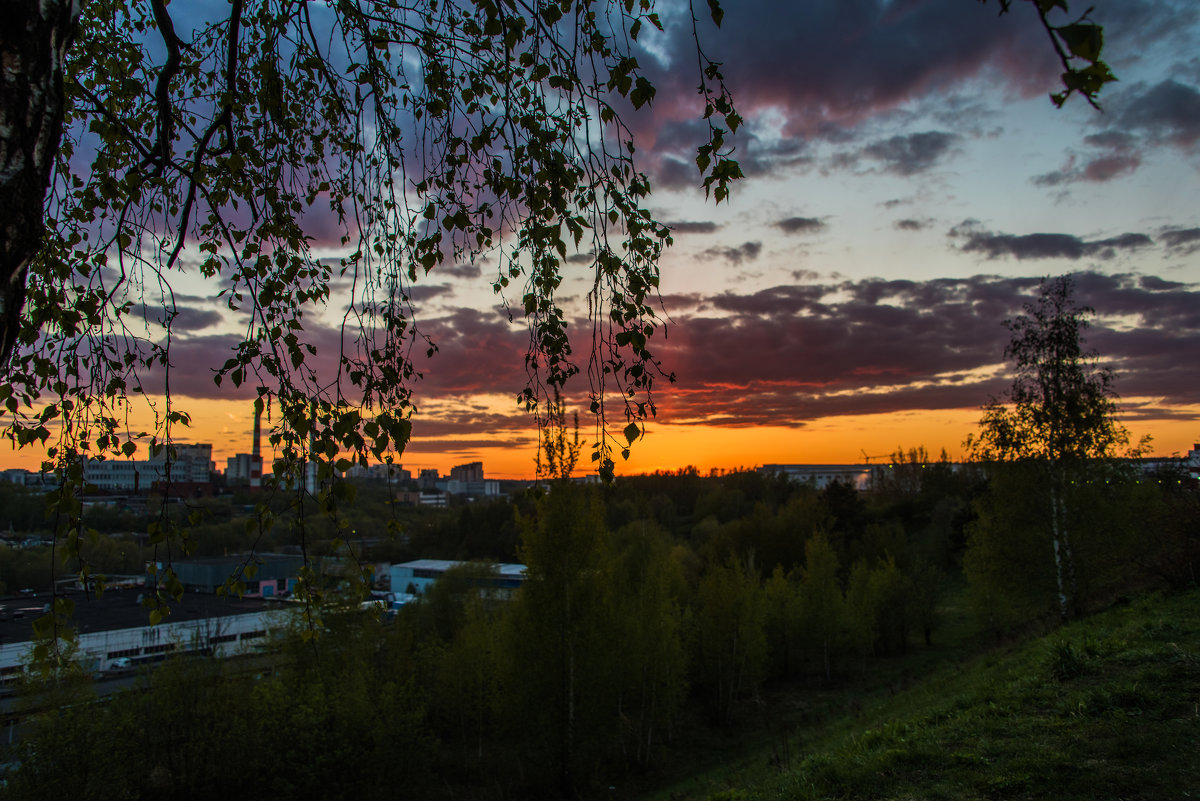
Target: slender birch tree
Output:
[(1058, 418)]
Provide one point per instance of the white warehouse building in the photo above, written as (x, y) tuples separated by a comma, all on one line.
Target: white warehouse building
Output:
[(114, 630)]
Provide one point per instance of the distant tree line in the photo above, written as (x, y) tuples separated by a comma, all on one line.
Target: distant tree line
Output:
[(657, 601)]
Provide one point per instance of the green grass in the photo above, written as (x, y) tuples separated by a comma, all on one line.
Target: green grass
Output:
[(1107, 707)]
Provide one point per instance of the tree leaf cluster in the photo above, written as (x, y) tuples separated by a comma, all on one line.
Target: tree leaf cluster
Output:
[(419, 135)]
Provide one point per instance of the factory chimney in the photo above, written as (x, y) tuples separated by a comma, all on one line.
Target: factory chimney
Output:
[(256, 463)]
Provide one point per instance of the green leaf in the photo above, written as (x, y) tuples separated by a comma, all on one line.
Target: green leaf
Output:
[(632, 432), (1083, 39), (1046, 6), (642, 93), (718, 14)]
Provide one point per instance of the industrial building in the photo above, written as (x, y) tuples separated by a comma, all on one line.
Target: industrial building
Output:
[(114, 629), (189, 464), (822, 475), (263, 575), (416, 577)]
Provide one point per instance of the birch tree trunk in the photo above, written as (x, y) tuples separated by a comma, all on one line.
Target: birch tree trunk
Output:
[(34, 40), (1064, 559)]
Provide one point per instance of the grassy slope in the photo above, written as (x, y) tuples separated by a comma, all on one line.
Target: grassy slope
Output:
[(1108, 707)]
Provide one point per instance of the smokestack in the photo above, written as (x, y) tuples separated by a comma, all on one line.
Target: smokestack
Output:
[(256, 446)]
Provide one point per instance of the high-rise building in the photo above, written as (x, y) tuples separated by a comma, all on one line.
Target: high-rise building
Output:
[(389, 472), (472, 471), (428, 478), (200, 454)]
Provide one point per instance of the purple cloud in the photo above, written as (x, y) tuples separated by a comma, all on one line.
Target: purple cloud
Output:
[(912, 153), (1043, 245), (800, 225), (747, 251), (1182, 240), (793, 353), (1168, 111), (693, 227)]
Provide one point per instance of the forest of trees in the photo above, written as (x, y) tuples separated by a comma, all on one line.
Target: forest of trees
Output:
[(657, 602), (650, 603)]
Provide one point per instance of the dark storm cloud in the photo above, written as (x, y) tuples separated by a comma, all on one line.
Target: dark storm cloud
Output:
[(828, 66), (800, 225), (1111, 140), (672, 143), (792, 353), (1113, 153), (1097, 170), (194, 364), (506, 428), (459, 270), (1043, 245), (678, 172), (1127, 241), (185, 320), (424, 292), (804, 298), (1183, 240), (840, 61), (845, 336), (747, 251), (911, 225), (912, 153), (1168, 111), (1132, 412), (477, 352), (1029, 246), (693, 227), (420, 446), (1135, 26), (764, 160), (1156, 284), (1142, 117), (675, 173), (1053, 178), (1106, 168)]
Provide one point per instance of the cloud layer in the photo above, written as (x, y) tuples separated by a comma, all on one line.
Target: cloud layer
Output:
[(788, 354)]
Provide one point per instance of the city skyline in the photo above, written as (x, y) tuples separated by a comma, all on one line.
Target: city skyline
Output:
[(908, 183)]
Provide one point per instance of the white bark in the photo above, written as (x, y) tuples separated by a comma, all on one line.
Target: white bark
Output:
[(34, 41)]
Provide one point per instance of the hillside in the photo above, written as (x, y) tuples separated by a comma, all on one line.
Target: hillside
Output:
[(1107, 707)]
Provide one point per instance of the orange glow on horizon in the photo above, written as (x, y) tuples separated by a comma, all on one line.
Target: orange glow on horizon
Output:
[(228, 426)]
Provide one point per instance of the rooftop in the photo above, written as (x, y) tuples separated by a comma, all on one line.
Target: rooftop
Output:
[(117, 609)]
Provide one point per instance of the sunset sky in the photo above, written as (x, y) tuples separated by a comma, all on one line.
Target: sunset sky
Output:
[(908, 184)]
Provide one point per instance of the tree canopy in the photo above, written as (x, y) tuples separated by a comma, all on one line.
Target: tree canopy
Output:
[(428, 134), (150, 147), (1062, 403)]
